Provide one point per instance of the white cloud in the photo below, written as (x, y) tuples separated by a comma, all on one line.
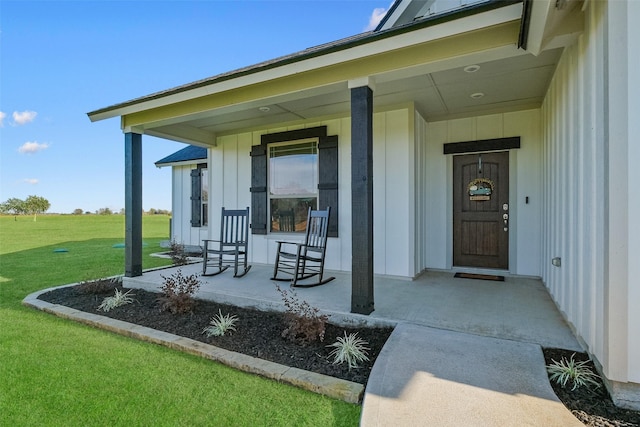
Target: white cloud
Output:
[(32, 147), (2, 116), (32, 181), (375, 18), (24, 117)]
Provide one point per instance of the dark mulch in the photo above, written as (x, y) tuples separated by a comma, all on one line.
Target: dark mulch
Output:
[(258, 333), (593, 406)]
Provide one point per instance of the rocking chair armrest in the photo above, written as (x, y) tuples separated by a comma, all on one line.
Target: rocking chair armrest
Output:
[(236, 243), (284, 242), (285, 246), (208, 241)]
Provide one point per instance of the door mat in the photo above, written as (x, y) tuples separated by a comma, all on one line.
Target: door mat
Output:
[(480, 276)]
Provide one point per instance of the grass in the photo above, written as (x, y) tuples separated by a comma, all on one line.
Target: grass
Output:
[(56, 372)]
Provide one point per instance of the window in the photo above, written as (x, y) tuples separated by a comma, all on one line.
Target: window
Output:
[(199, 196), (277, 212), (293, 184)]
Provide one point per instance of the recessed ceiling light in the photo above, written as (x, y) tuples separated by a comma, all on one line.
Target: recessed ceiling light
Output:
[(477, 95), (264, 109), (471, 68)]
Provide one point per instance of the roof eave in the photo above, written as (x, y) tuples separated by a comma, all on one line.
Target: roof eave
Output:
[(322, 50), (160, 164)]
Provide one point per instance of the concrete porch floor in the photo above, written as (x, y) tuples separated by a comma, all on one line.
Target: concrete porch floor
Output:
[(518, 309)]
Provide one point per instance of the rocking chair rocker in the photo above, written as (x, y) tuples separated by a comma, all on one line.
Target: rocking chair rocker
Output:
[(231, 249), (304, 260)]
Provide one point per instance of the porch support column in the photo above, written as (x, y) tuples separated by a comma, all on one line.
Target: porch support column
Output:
[(133, 204), (361, 197)]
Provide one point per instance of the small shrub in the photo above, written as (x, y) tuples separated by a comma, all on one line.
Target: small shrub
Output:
[(177, 292), (303, 322), (120, 298), (99, 286), (351, 349), (572, 372), (220, 325), (178, 254)]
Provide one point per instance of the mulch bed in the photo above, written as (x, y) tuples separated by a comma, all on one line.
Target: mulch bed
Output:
[(592, 406), (259, 334)]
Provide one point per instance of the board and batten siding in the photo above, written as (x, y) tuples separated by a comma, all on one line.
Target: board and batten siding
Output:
[(434, 199), (394, 234), (181, 229), (591, 176)]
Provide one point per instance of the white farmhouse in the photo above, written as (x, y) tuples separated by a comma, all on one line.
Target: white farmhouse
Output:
[(491, 136)]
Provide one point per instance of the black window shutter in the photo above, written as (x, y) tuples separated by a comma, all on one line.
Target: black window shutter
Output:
[(196, 197), (259, 189), (328, 180), (327, 170)]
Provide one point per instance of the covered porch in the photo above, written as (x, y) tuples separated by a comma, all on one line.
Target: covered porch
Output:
[(518, 309)]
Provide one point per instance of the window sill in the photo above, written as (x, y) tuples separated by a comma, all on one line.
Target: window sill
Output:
[(285, 236)]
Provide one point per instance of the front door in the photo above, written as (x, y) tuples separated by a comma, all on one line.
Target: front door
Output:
[(481, 210)]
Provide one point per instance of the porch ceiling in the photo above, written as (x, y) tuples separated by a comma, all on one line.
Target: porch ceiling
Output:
[(508, 83)]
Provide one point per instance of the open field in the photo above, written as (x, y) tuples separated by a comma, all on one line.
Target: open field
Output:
[(56, 372)]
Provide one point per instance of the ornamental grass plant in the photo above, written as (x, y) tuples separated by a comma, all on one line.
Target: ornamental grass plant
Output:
[(220, 324), (569, 372), (119, 299), (349, 349)]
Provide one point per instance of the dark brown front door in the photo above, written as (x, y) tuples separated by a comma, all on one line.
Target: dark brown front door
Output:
[(481, 210)]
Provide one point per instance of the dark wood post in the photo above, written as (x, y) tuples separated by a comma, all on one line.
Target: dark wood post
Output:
[(133, 204), (362, 200)]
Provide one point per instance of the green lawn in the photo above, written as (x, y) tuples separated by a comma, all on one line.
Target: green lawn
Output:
[(56, 372)]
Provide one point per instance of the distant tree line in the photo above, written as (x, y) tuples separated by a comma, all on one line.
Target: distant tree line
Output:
[(32, 205), (108, 211)]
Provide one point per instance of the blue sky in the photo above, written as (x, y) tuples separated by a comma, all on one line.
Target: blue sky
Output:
[(62, 59)]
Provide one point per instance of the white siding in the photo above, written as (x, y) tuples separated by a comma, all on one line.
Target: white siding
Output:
[(422, 201), (633, 159), (393, 189), (591, 159), (181, 229), (393, 201)]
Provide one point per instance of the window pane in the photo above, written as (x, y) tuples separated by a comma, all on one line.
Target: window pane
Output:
[(205, 214), (290, 215), (204, 192), (293, 169), (204, 195)]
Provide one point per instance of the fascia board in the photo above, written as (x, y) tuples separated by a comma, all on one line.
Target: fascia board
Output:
[(182, 163), (540, 11), (403, 40), (397, 10)]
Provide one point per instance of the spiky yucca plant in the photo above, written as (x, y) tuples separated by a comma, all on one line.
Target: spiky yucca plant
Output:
[(220, 325), (120, 298), (350, 349), (570, 371)]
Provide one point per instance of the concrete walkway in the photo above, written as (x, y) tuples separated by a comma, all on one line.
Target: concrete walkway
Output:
[(432, 377), (464, 352)]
